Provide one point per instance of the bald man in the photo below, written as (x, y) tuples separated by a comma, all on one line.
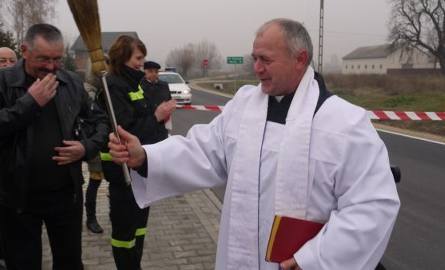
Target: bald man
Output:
[(8, 57)]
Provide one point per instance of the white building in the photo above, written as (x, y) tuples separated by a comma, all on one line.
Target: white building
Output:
[(382, 59)]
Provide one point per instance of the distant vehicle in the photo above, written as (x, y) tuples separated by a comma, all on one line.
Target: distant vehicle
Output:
[(172, 69), (179, 89)]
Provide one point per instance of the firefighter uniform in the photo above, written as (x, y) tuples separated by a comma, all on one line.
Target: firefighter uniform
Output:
[(134, 109)]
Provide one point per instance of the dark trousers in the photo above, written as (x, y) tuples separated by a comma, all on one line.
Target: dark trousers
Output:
[(91, 197), (22, 235), (1, 247), (128, 223)]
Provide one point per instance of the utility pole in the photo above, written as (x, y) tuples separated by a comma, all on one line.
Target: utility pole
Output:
[(320, 38)]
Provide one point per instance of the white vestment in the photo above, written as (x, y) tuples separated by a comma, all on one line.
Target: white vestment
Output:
[(332, 168)]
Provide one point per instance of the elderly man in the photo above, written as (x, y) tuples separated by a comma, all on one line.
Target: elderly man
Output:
[(8, 57), (286, 147), (158, 92), (41, 177)]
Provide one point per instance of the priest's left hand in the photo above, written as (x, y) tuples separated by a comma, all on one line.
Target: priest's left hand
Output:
[(289, 264)]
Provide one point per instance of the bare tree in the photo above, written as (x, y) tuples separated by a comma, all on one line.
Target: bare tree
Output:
[(248, 64), (207, 50), (7, 39), (419, 24), (24, 13), (191, 57), (181, 58)]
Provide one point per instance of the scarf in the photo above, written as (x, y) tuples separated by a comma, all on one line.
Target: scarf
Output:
[(292, 176), (132, 76)]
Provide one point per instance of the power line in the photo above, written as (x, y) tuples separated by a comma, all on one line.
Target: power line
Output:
[(320, 38)]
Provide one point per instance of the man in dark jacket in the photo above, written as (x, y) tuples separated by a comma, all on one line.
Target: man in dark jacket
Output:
[(157, 92), (40, 156)]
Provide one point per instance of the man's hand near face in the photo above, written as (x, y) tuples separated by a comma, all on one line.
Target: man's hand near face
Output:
[(71, 152), (44, 90)]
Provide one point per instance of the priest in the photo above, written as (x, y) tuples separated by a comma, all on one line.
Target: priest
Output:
[(286, 147)]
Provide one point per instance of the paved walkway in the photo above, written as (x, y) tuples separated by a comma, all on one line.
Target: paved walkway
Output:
[(181, 235)]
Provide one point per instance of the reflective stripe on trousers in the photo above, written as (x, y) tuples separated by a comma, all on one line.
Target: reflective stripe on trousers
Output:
[(129, 244)]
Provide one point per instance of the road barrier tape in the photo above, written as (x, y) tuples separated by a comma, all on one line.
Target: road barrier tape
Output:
[(212, 108), (374, 115), (405, 116)]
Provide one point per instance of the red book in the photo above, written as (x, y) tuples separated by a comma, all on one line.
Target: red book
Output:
[(288, 235)]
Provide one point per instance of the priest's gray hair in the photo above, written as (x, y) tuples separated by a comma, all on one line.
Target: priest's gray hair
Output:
[(295, 34)]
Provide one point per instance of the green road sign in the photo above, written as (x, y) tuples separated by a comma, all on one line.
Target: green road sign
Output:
[(234, 60)]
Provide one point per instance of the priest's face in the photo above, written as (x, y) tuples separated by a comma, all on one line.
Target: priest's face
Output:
[(278, 70)]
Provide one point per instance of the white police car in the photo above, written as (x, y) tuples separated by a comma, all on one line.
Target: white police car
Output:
[(179, 89)]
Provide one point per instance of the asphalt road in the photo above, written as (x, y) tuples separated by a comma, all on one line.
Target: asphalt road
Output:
[(418, 240)]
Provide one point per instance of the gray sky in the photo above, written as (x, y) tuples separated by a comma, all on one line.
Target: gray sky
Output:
[(231, 24)]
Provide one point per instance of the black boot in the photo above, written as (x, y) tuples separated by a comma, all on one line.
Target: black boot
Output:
[(93, 226), (90, 206)]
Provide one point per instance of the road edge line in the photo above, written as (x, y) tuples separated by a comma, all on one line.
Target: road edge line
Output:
[(409, 136), (199, 88)]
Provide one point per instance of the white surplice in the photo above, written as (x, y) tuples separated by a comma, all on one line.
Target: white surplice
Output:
[(332, 168)]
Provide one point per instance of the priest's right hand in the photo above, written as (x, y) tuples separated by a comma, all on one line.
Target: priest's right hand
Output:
[(128, 150)]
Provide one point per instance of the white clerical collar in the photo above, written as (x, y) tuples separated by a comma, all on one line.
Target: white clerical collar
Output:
[(279, 98)]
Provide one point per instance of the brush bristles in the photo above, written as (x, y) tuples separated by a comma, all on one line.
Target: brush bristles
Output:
[(86, 16)]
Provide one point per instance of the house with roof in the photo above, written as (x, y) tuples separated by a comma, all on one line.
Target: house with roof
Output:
[(81, 57), (384, 59)]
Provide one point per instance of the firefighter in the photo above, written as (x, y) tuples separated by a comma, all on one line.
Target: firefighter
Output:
[(135, 111)]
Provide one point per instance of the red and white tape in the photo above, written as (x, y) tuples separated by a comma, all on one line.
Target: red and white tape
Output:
[(212, 108), (374, 115), (416, 116)]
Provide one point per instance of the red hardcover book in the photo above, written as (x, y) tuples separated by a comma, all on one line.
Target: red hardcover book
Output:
[(288, 235)]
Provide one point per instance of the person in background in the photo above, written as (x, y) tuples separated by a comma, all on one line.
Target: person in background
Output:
[(286, 147), (95, 175), (41, 176), (92, 86), (157, 92), (8, 57), (135, 112)]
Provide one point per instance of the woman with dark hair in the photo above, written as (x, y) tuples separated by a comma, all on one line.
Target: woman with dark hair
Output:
[(134, 111)]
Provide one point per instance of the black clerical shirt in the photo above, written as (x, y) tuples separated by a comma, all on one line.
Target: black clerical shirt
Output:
[(277, 110)]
